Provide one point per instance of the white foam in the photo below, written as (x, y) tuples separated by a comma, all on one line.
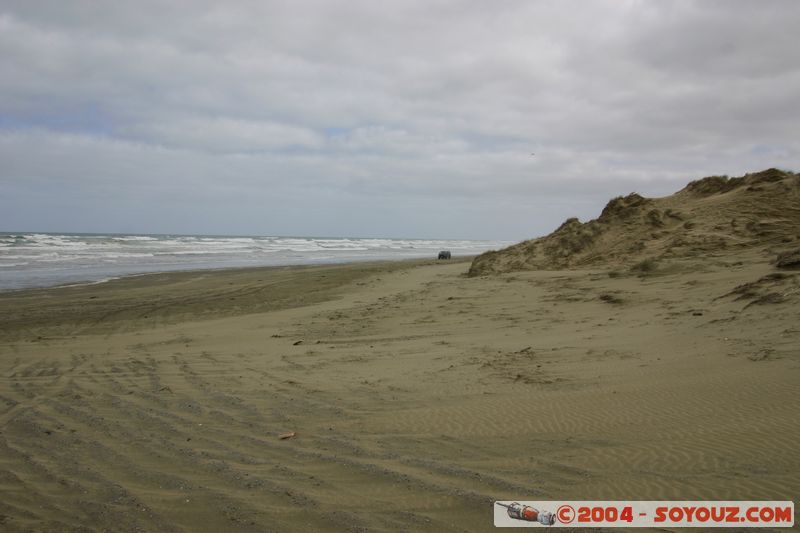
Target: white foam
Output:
[(28, 259)]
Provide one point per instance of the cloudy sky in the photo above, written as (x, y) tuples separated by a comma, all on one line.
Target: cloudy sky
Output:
[(412, 118)]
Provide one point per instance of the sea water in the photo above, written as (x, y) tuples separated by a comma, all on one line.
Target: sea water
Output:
[(48, 259)]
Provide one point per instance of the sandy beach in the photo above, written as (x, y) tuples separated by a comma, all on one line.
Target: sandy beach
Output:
[(416, 395), (357, 266)]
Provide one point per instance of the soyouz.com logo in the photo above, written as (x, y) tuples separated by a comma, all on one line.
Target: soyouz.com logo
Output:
[(644, 514)]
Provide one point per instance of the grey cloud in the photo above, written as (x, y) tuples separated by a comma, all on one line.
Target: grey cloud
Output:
[(252, 107)]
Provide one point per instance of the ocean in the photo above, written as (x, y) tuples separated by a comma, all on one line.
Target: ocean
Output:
[(48, 259)]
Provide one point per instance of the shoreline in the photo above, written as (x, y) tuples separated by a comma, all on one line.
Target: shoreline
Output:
[(47, 260), (200, 270), (154, 297)]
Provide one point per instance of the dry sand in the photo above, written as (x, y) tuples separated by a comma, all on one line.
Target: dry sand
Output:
[(417, 395)]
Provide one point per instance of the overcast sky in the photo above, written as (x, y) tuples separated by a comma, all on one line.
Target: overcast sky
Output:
[(413, 118)]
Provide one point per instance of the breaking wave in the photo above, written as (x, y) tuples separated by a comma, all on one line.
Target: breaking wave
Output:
[(46, 259)]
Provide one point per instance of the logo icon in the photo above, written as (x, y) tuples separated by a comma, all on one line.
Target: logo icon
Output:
[(517, 511)]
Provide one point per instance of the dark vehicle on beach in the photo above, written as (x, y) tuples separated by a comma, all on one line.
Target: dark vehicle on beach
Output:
[(444, 254)]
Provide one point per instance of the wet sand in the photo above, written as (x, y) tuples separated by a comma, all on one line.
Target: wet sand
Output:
[(417, 395)]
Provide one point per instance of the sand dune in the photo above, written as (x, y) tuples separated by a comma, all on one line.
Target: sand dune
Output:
[(711, 217)]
